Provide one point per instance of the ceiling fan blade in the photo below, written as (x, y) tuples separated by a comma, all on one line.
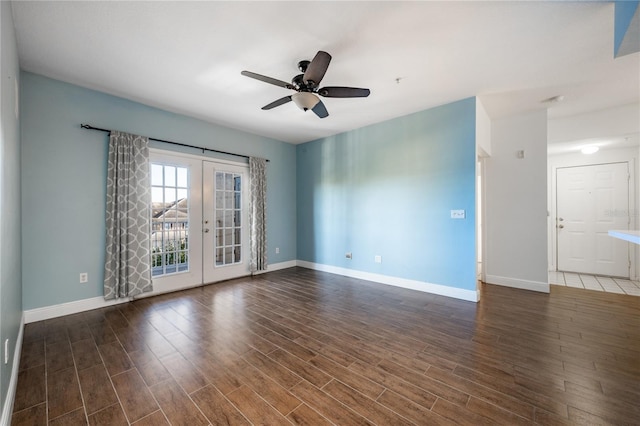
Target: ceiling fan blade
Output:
[(317, 68), (343, 92), (266, 79), (320, 110), (279, 102)]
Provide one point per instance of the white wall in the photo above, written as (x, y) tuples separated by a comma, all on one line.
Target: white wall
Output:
[(10, 213), (618, 121), (516, 203), (483, 130), (600, 157)]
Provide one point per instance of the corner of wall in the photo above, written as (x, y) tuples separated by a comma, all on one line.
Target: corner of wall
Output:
[(483, 130), (11, 314)]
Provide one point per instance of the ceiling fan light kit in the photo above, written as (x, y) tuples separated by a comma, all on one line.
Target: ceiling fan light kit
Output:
[(305, 100), (306, 86)]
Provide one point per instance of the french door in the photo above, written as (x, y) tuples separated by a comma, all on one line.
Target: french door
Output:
[(225, 247), (199, 215)]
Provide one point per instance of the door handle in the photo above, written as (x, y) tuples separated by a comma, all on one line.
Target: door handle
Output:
[(559, 226), (560, 219), (206, 230)]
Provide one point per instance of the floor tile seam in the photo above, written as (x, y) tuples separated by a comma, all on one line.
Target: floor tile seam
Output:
[(508, 397), (619, 403), (110, 381), (516, 387), (152, 396), (118, 396), (504, 409), (228, 401), (402, 379), (358, 392), (612, 281), (272, 378), (603, 289), (313, 409), (46, 383), (75, 370), (187, 394), (399, 414), (149, 415), (250, 387), (607, 417)]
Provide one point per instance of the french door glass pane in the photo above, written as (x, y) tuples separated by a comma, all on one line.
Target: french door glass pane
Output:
[(169, 219), (228, 227)]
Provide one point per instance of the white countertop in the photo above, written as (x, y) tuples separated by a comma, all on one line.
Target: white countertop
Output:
[(627, 235)]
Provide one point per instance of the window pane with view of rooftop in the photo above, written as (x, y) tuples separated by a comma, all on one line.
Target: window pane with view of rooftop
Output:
[(170, 219)]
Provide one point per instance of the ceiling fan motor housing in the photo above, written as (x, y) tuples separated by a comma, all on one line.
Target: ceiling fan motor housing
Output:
[(302, 65)]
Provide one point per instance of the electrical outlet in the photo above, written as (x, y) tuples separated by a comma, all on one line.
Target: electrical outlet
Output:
[(84, 277), (277, 250), (348, 255), (378, 259), (6, 351)]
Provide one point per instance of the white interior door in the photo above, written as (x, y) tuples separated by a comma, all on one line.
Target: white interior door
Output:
[(225, 221), (591, 200)]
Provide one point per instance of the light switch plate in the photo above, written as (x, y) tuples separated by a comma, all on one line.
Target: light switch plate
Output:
[(457, 214)]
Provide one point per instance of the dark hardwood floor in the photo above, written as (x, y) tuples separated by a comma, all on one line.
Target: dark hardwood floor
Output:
[(311, 348)]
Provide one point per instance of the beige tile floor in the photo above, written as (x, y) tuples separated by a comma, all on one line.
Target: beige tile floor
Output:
[(591, 282)]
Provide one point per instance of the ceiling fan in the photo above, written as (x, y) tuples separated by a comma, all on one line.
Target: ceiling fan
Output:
[(306, 86)]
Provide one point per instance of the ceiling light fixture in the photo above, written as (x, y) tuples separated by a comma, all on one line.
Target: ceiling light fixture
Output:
[(590, 150), (305, 100)]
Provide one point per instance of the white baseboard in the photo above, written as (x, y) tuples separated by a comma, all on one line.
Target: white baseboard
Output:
[(54, 311), (278, 266), (7, 407), (540, 286), (443, 290)]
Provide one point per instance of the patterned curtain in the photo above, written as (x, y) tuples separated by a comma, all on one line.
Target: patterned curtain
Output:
[(258, 214), (127, 269)]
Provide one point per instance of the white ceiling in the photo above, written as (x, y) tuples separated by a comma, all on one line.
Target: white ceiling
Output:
[(186, 57)]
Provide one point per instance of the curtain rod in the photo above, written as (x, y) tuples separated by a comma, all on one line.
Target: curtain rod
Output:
[(89, 127)]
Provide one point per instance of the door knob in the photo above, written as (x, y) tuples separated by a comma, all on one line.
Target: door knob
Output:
[(206, 230), (559, 226), (560, 219)]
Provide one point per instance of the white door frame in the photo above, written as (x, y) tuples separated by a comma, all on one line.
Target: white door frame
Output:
[(193, 278)]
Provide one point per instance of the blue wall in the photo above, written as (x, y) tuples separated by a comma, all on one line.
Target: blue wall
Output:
[(623, 15), (387, 190), (10, 253), (64, 179)]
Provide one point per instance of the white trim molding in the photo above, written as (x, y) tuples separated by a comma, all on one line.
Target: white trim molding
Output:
[(539, 286), (278, 266), (54, 311), (9, 399), (442, 290)]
